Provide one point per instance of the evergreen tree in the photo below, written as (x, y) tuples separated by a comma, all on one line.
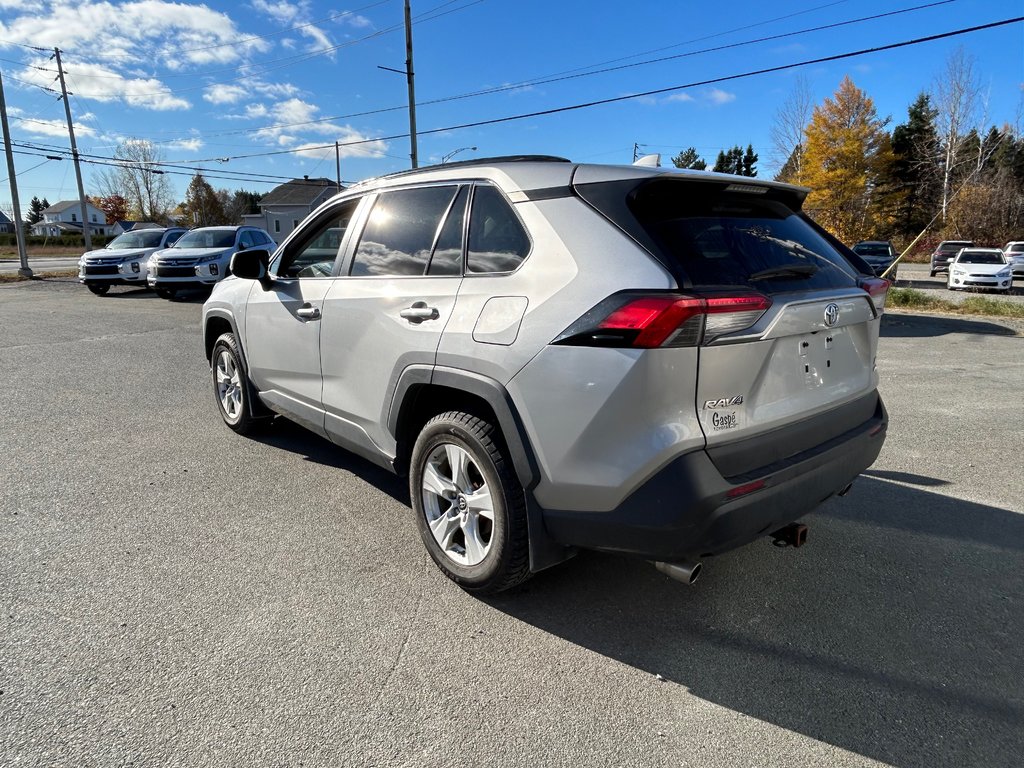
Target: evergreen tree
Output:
[(35, 210), (202, 206), (688, 158), (917, 168), (730, 161), (749, 165)]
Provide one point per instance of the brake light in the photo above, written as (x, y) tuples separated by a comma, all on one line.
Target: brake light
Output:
[(652, 320), (877, 288)]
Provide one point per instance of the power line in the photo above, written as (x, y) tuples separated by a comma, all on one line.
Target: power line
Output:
[(654, 92), (579, 74)]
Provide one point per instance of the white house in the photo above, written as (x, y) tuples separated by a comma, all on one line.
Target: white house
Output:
[(283, 207), (65, 218), (6, 225)]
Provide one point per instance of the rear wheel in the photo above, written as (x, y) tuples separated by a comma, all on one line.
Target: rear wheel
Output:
[(100, 289), (469, 504)]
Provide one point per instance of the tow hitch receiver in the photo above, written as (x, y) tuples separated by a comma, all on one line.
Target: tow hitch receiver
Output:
[(792, 535)]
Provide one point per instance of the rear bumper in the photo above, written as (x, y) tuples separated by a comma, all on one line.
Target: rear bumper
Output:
[(685, 511)]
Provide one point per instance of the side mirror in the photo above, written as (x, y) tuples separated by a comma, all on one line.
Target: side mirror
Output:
[(251, 264)]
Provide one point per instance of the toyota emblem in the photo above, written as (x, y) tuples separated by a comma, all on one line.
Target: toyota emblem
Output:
[(831, 314)]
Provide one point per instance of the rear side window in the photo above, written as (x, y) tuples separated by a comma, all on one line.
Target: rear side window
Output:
[(497, 241), (730, 239), (400, 232)]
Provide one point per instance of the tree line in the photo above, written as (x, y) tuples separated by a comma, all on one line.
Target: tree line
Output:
[(943, 169)]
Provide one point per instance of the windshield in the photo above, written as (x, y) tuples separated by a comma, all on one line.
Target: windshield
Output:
[(980, 257), (1015, 248), (872, 249), (144, 238), (207, 238)]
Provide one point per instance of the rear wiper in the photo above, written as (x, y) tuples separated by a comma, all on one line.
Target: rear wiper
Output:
[(786, 270)]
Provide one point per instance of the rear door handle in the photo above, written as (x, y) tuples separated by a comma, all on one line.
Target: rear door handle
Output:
[(419, 312), (307, 312)]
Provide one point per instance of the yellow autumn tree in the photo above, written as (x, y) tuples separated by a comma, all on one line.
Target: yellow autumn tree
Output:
[(846, 153)]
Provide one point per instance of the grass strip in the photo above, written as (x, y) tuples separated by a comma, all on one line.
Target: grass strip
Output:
[(908, 298), (16, 278)]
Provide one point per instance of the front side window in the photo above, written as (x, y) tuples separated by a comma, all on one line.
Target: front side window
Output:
[(313, 251), (497, 241), (400, 232)]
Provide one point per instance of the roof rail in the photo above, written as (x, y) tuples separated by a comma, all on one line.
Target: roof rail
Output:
[(472, 162)]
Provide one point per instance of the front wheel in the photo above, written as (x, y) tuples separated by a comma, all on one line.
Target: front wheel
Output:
[(99, 289), (469, 505), (230, 385)]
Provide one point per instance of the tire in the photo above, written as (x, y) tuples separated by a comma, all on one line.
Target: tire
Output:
[(459, 467), (98, 288), (166, 293), (231, 389), (932, 273)]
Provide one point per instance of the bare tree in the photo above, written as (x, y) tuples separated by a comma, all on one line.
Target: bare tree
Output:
[(957, 96), (138, 178), (787, 131)]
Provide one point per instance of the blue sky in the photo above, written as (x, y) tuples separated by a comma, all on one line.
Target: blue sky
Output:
[(228, 80)]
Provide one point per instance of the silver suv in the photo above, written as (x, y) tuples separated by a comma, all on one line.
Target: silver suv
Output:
[(657, 363), (201, 257)]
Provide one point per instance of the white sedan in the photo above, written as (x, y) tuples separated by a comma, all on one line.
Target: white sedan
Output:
[(980, 268)]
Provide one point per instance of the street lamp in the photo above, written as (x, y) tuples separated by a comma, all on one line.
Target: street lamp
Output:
[(453, 153)]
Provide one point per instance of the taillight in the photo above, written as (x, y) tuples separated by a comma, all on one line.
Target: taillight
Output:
[(877, 288), (651, 320)]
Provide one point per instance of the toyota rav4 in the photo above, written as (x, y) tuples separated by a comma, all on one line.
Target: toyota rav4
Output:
[(656, 363)]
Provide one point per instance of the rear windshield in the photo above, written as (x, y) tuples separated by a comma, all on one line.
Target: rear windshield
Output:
[(1016, 248), (953, 247), (872, 249), (731, 239), (980, 257)]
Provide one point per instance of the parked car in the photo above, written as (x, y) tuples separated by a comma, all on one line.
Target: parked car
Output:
[(945, 252), (879, 254), (663, 364), (1014, 253), (980, 268), (124, 260), (201, 257)]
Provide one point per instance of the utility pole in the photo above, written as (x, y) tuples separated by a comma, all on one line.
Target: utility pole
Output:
[(337, 163), (636, 151), (412, 89), (74, 152), (19, 232)]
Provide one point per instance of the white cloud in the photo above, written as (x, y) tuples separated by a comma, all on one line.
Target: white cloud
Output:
[(719, 97), (291, 124), (356, 21), (100, 83), (256, 110), (684, 97), (186, 145), (224, 94), (294, 14), (39, 127)]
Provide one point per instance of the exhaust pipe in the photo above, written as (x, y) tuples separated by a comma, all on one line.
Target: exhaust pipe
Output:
[(792, 535), (687, 573)]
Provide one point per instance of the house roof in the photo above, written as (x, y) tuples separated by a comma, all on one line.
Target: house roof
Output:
[(298, 192), (130, 226), (4, 218), (63, 205)]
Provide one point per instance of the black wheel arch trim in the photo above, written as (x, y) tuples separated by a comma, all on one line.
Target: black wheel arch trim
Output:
[(259, 409), (544, 551)]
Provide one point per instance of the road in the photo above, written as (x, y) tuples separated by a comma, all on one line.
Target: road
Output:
[(39, 264), (174, 594)]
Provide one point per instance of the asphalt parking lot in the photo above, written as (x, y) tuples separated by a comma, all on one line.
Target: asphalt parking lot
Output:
[(174, 594), (917, 276)]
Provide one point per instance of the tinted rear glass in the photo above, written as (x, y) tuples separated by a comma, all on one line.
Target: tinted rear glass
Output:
[(871, 249), (953, 247), (731, 239)]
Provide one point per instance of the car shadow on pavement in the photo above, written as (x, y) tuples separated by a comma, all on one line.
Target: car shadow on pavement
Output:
[(924, 326), (895, 633), (289, 436)]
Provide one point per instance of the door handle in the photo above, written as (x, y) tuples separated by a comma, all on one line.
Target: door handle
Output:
[(306, 312), (419, 312)]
